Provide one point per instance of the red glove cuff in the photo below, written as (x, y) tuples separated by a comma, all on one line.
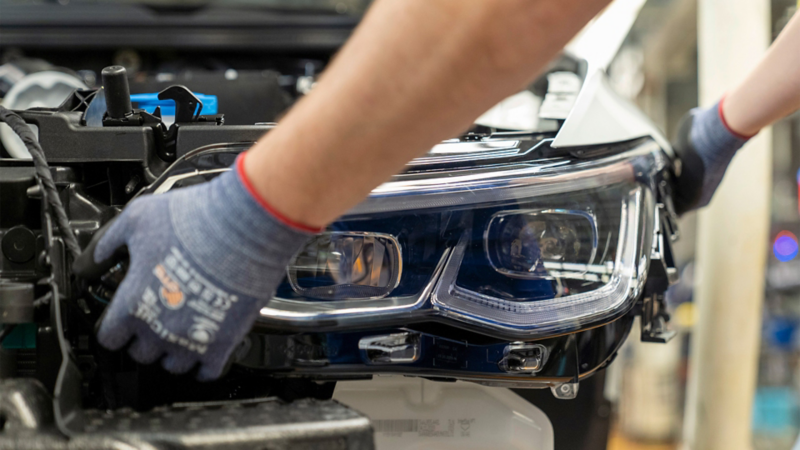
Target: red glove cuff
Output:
[(725, 122), (270, 209)]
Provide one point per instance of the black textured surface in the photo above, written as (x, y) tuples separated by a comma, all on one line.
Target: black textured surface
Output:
[(252, 424)]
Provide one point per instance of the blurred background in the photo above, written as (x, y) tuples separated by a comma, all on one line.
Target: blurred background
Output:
[(657, 67), (640, 402)]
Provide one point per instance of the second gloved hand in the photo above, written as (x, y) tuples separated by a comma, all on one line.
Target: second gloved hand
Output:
[(706, 146), (203, 261)]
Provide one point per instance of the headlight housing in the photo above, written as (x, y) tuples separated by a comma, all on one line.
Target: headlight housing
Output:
[(524, 241)]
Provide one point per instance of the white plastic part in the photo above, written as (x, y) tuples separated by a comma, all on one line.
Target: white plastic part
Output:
[(601, 39), (600, 116), (413, 413), (38, 90)]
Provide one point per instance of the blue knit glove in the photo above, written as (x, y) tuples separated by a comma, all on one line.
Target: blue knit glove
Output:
[(706, 146), (203, 261)]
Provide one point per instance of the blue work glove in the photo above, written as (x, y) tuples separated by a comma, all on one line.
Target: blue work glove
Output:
[(706, 146), (203, 261)]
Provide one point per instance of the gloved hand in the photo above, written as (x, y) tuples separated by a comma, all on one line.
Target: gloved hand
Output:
[(706, 145), (203, 261)]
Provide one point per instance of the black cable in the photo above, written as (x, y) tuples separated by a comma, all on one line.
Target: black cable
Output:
[(45, 177), (6, 331)]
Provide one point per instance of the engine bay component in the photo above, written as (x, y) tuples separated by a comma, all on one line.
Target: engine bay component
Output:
[(117, 92), (262, 423), (46, 89)]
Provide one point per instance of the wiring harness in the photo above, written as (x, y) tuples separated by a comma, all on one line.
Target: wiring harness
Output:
[(44, 176)]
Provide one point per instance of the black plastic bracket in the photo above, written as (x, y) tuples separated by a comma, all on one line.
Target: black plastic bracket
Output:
[(662, 274), (654, 320), (187, 105)]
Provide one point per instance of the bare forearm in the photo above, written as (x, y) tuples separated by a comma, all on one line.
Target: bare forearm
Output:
[(772, 90), (414, 72)]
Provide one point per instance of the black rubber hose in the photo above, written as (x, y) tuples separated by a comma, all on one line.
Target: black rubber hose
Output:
[(45, 177)]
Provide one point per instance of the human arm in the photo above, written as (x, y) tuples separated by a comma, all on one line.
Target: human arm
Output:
[(415, 72), (709, 138), (772, 90)]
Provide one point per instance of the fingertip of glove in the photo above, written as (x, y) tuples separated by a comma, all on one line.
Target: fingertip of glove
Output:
[(178, 365), (209, 373), (113, 336), (144, 351)]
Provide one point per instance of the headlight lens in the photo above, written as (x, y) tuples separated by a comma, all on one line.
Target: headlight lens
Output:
[(335, 265), (526, 244)]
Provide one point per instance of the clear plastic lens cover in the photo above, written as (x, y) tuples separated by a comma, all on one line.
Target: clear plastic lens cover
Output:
[(526, 247)]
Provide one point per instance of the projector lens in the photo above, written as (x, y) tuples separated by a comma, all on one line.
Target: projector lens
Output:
[(347, 265)]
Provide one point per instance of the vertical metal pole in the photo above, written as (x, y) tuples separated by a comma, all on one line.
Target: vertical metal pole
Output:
[(732, 242)]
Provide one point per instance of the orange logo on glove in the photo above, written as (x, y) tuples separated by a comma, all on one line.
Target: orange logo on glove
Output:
[(170, 292)]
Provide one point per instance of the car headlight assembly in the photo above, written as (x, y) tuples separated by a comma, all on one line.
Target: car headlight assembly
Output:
[(521, 242)]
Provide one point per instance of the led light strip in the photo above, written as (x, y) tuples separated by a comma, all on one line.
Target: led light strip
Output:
[(562, 314)]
